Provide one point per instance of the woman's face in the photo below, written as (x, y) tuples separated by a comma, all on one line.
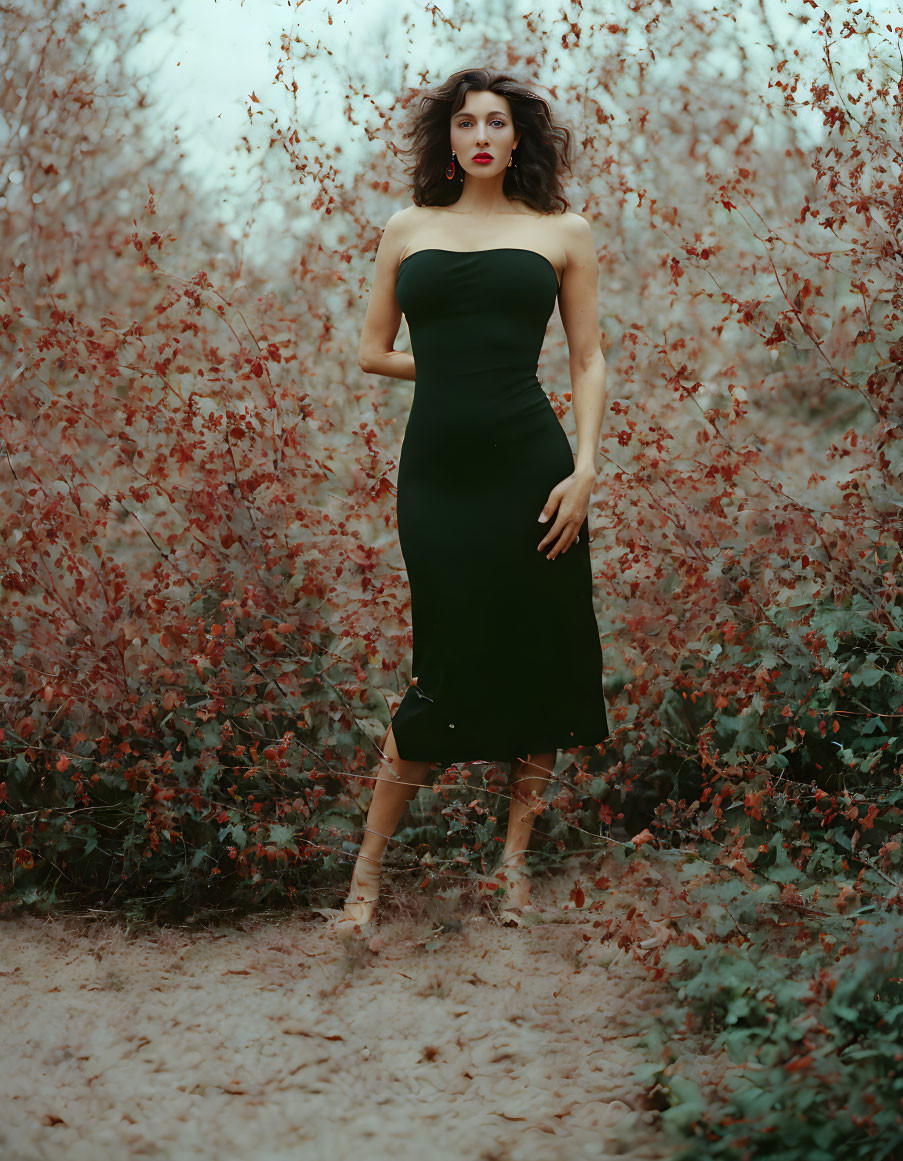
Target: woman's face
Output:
[(483, 124)]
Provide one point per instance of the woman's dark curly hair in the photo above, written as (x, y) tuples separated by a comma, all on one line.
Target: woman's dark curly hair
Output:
[(534, 177)]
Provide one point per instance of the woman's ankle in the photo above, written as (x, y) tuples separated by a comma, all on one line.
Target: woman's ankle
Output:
[(373, 845), (365, 886)]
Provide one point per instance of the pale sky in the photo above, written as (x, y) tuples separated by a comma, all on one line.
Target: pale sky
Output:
[(207, 58)]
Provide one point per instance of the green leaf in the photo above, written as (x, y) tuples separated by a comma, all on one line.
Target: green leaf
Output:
[(282, 835)]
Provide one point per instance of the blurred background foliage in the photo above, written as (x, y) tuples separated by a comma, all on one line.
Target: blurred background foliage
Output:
[(204, 617)]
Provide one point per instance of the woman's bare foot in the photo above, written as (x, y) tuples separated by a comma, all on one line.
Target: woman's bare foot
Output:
[(363, 895), (514, 879)]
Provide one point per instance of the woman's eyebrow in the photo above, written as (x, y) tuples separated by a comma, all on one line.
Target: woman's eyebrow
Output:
[(494, 113)]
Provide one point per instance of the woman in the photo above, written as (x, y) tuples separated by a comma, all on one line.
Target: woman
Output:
[(491, 504)]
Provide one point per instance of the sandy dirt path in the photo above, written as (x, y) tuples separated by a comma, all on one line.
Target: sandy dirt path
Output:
[(273, 1039)]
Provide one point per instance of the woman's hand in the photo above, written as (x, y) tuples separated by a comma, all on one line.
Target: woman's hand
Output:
[(571, 499)]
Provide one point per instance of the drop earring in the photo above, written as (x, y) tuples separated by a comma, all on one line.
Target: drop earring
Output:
[(450, 168)]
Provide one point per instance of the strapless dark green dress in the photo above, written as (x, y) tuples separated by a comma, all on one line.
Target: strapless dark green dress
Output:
[(507, 658)]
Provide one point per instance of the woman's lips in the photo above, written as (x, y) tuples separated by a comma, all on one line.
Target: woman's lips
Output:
[(482, 159)]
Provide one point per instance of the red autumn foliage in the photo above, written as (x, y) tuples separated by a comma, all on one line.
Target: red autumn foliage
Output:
[(204, 621)]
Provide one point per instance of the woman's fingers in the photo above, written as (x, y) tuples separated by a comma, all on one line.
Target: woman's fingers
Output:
[(563, 533), (563, 500)]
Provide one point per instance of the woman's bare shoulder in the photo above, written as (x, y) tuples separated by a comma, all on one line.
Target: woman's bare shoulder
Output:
[(573, 221), (415, 211), (576, 231), (408, 218), (403, 215)]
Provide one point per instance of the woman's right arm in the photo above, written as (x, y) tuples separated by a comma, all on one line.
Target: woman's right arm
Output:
[(375, 353)]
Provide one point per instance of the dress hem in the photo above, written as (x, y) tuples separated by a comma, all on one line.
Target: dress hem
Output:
[(470, 756)]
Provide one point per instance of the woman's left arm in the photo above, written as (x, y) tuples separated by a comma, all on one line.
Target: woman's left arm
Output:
[(577, 304)]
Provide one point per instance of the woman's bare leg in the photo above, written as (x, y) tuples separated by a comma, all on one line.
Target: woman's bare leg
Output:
[(528, 781), (397, 782)]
